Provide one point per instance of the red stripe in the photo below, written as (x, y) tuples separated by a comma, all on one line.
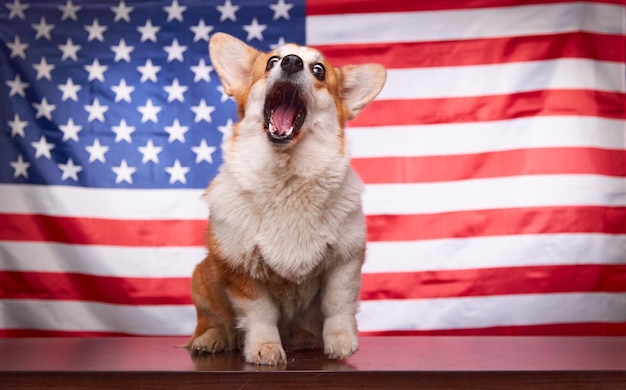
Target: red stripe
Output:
[(106, 289), (100, 231), (481, 223), (537, 220), (540, 161), (61, 333), (495, 107), (409, 285), (566, 329), (494, 281), (600, 47), (328, 7)]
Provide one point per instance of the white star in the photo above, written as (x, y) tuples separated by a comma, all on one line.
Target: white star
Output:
[(70, 90), (69, 50), (69, 10), (122, 52), (175, 11), (96, 71), (18, 49), (150, 152), (203, 152), (42, 148), (124, 173), (226, 130), (175, 91), (122, 91), (228, 11), (281, 9), (149, 112), (43, 69), (17, 9), (255, 30), (148, 32), (148, 71), (201, 71), (20, 166), (43, 29), (123, 132), (122, 12), (176, 132), (95, 31), (96, 111), (202, 111), (201, 31), (281, 41), (96, 151), (44, 109), (70, 171), (17, 126), (177, 172), (70, 130), (224, 96), (175, 51), (17, 86)]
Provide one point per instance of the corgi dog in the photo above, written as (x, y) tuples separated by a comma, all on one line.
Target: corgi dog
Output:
[(286, 232)]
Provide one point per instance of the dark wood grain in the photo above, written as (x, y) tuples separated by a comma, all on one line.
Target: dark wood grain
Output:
[(391, 362)]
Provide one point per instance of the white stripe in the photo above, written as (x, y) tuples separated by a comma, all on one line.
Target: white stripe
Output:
[(502, 79), (464, 24), (484, 312), (422, 314), (495, 252), (395, 256), (172, 320), (103, 203), (480, 137), (497, 193), (147, 262), (505, 192)]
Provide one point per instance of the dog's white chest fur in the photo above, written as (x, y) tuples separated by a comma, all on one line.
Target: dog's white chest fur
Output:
[(274, 215)]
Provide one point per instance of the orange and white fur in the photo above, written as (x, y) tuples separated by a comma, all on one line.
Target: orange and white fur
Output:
[(286, 235)]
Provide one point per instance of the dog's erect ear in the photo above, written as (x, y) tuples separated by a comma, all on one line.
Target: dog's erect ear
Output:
[(232, 60), (361, 84)]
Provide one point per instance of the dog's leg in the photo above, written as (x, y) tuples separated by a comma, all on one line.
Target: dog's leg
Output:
[(258, 317), (339, 307), (215, 329)]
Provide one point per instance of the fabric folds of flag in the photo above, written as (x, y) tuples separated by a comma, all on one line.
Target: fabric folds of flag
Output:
[(494, 160)]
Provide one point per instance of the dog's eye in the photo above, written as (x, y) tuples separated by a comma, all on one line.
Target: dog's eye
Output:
[(271, 62), (318, 71)]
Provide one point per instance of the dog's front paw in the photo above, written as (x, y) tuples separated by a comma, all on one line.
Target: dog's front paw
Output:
[(211, 341), (269, 353), (341, 345)]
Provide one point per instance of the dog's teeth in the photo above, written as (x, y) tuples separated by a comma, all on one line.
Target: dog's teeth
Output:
[(289, 131), (270, 128)]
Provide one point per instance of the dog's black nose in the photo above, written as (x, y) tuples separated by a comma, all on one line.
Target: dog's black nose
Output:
[(292, 64)]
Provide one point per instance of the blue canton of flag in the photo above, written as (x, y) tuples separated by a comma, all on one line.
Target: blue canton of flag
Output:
[(122, 93)]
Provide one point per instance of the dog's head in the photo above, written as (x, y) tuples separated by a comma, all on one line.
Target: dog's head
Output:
[(292, 90)]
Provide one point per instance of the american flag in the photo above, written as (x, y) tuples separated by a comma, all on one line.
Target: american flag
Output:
[(494, 160)]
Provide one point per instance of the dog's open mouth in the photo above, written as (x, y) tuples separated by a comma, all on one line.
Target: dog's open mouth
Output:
[(284, 113)]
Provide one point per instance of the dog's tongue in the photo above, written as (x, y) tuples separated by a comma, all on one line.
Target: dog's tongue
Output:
[(283, 118)]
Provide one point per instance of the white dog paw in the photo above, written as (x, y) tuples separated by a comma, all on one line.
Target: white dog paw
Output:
[(270, 354), (341, 345)]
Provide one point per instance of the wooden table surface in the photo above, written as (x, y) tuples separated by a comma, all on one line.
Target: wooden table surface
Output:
[(393, 362)]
